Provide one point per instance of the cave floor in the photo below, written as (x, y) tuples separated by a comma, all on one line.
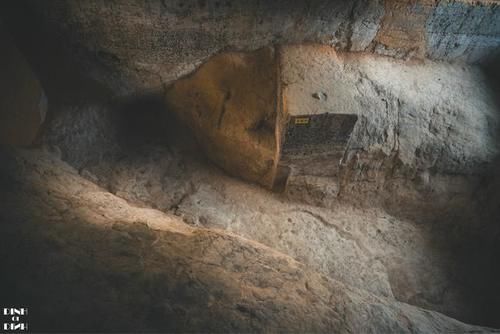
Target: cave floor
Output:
[(360, 245), (185, 241), (96, 259)]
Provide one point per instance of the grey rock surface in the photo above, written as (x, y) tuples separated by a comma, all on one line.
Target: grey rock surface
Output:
[(141, 46), (463, 31), (423, 127), (135, 46)]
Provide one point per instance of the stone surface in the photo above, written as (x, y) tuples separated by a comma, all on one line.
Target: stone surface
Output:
[(87, 260), (405, 213), (417, 254), (402, 32), (386, 183), (472, 35), (135, 46), (230, 105), (416, 121), (84, 134), (23, 104)]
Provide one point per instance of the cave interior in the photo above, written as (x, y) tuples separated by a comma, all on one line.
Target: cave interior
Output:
[(250, 166)]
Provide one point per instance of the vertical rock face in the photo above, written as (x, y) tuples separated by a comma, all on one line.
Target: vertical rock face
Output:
[(134, 46), (402, 30), (463, 30), (446, 30), (404, 107), (230, 105), (139, 45), (23, 103), (416, 121), (252, 121)]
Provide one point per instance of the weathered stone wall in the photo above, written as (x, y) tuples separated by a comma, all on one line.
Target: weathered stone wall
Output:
[(416, 121), (463, 30), (431, 124), (134, 46)]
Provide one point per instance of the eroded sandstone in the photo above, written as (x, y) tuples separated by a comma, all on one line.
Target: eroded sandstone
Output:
[(146, 206), (131, 46), (72, 235)]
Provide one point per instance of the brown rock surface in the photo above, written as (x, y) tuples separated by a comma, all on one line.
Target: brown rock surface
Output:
[(87, 260), (230, 105), (422, 253)]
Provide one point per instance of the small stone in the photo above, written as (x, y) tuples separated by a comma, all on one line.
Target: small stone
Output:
[(320, 96)]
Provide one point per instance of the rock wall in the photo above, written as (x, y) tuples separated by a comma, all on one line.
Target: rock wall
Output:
[(417, 121), (446, 30), (23, 104), (424, 129), (230, 105), (134, 46), (414, 121), (442, 260), (463, 30), (413, 108)]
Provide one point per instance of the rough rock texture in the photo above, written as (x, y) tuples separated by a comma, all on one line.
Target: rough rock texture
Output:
[(141, 45), (402, 30), (406, 214), (418, 121), (125, 268), (472, 34), (230, 105), (133, 46), (23, 103), (426, 253), (422, 122)]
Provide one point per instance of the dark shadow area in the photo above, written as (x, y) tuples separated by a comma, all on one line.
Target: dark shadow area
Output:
[(74, 275), (476, 242), (56, 60), (491, 69), (466, 226), (142, 120)]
